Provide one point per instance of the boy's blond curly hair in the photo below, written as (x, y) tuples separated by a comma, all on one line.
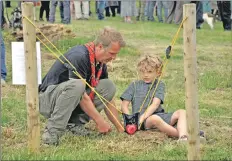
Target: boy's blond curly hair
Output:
[(150, 62)]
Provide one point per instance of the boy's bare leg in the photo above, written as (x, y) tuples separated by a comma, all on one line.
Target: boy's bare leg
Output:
[(156, 121), (180, 116)]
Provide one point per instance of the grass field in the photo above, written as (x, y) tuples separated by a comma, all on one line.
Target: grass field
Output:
[(214, 60)]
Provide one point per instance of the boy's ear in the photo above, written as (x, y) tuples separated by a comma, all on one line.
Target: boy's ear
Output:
[(158, 71)]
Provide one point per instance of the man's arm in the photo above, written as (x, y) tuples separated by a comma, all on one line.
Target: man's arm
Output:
[(89, 108), (115, 120), (151, 109)]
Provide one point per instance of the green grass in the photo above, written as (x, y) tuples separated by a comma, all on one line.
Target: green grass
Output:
[(66, 44), (214, 65)]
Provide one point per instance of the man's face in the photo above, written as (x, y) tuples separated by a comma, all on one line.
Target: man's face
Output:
[(107, 54), (148, 75)]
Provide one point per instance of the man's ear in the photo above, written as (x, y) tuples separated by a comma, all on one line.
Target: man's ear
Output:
[(100, 46)]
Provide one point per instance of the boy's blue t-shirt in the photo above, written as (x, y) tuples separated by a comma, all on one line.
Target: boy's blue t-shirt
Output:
[(137, 91)]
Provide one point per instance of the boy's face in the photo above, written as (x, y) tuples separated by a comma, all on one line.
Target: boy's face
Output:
[(148, 75)]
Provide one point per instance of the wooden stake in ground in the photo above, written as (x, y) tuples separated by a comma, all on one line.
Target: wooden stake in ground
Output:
[(32, 100), (190, 73)]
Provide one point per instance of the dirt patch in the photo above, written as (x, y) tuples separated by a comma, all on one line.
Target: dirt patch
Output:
[(49, 56), (152, 136), (8, 132), (53, 32)]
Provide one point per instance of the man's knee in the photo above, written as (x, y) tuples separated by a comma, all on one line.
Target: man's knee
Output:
[(107, 88), (76, 85)]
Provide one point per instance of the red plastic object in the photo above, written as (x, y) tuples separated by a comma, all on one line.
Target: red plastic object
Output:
[(131, 129)]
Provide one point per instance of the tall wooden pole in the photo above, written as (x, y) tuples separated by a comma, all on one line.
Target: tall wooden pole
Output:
[(33, 121), (190, 73)]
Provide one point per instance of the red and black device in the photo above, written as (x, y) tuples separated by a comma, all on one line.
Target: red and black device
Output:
[(131, 123)]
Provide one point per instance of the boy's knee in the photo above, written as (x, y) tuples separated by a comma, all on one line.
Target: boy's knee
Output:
[(156, 120), (181, 112)]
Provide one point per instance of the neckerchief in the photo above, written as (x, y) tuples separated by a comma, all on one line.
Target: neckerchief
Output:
[(93, 79)]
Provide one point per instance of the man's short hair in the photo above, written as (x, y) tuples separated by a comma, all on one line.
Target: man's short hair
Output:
[(109, 35)]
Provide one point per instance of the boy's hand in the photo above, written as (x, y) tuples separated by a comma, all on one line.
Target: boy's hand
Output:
[(104, 127), (141, 118)]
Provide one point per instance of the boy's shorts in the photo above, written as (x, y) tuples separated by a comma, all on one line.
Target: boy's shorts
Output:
[(166, 117)]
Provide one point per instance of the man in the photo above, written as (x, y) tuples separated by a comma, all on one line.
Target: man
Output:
[(81, 10), (65, 12), (3, 61), (119, 7), (101, 8), (65, 99), (7, 3), (160, 5), (141, 10), (2, 48), (199, 13), (2, 18), (224, 8), (175, 12), (150, 10), (45, 6)]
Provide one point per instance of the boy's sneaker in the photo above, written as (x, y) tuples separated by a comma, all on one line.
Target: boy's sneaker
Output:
[(79, 130), (3, 82), (202, 137), (184, 138), (50, 138)]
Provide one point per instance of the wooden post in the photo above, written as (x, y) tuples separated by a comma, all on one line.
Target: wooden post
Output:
[(32, 100), (190, 73)]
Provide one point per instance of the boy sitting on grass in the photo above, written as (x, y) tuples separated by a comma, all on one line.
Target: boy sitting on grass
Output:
[(173, 124)]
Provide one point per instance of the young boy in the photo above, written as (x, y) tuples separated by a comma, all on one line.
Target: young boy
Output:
[(173, 124)]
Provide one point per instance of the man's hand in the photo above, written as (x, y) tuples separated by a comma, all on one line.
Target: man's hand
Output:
[(121, 128), (89, 108), (115, 120), (104, 127)]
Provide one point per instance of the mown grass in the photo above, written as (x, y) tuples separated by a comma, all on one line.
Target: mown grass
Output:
[(214, 62)]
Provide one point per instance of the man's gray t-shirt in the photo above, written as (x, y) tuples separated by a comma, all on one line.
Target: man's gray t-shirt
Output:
[(136, 94)]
